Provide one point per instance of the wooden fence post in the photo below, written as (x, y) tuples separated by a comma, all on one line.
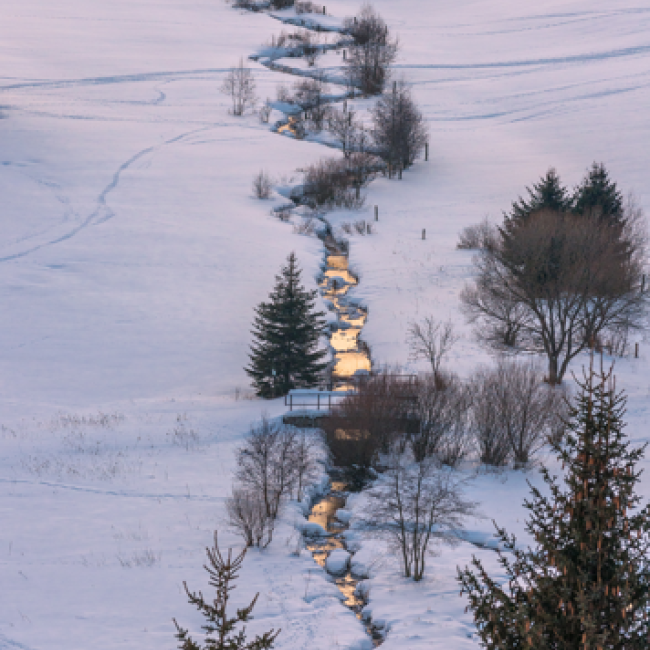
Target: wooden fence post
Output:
[(636, 350), (424, 233), (376, 213)]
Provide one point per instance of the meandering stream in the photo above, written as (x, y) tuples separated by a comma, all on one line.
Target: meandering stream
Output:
[(351, 356), (324, 512)]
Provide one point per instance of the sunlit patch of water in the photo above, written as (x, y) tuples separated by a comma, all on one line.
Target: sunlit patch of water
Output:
[(350, 356), (290, 126), (324, 513)]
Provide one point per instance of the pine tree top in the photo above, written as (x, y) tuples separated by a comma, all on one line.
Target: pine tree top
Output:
[(599, 194), (547, 194)]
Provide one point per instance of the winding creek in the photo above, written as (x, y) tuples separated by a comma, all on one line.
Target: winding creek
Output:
[(324, 512), (351, 356)]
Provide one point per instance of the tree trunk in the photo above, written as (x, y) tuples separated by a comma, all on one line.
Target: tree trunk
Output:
[(553, 378)]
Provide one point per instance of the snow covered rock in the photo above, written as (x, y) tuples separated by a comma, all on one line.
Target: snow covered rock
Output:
[(338, 562)]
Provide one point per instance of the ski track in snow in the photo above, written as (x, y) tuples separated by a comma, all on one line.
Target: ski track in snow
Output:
[(110, 493), (102, 212), (8, 644), (117, 79)]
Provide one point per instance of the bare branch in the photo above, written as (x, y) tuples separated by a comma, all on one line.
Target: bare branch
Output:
[(431, 340), (239, 85)]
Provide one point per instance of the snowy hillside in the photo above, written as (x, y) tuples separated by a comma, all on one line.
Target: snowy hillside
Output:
[(133, 254)]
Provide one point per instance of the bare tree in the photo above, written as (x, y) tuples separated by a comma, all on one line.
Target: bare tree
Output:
[(247, 516), (366, 423), (331, 182), (486, 424), (431, 340), (239, 85), (477, 236), (559, 280), (399, 131), (369, 60), (345, 129), (262, 185), (265, 112), (266, 464), (416, 506), (309, 94), (514, 412), (502, 329), (443, 405), (305, 461)]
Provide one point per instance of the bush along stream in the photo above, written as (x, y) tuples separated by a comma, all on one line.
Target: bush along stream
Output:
[(326, 540)]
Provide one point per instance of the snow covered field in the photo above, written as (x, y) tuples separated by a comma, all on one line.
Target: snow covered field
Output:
[(133, 255)]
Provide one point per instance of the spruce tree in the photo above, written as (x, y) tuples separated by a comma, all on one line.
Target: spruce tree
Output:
[(548, 194), (598, 195), (585, 585), (285, 354), (220, 628)]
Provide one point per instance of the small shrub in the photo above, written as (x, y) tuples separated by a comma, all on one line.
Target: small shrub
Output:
[(182, 436), (307, 227), (247, 516), (308, 8), (476, 237), (514, 412), (364, 425), (265, 112), (147, 558), (333, 182), (262, 185), (283, 213), (283, 94), (441, 410)]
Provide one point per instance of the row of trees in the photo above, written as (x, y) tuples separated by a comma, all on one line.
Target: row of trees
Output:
[(503, 414)]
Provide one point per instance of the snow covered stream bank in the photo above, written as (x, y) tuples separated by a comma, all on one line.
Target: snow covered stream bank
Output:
[(134, 255), (326, 541), (351, 354)]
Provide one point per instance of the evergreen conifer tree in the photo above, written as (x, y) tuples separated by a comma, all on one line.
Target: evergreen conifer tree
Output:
[(598, 194), (548, 194), (220, 628), (585, 585), (284, 354)]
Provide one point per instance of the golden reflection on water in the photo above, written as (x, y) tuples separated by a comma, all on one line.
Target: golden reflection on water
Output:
[(290, 127), (324, 514), (349, 363), (346, 339), (348, 586), (349, 357)]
